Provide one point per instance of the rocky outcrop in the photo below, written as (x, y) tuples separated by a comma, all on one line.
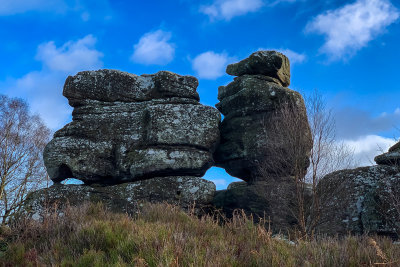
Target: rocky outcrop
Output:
[(392, 157), (252, 106), (128, 128), (360, 201), (183, 191), (363, 200)]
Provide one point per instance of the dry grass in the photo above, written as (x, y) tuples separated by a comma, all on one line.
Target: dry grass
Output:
[(162, 235)]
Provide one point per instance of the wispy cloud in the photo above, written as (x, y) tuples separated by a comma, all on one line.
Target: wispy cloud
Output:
[(43, 88), (12, 7), (71, 56), (154, 48), (210, 65), (353, 26), (86, 9), (228, 9)]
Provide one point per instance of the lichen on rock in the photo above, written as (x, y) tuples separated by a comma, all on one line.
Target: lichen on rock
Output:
[(128, 128)]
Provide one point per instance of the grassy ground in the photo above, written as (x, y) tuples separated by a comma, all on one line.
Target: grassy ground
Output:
[(162, 235)]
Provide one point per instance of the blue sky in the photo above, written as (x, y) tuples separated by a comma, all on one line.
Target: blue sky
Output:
[(348, 50)]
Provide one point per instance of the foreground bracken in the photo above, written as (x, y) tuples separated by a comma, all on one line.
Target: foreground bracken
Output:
[(162, 235)]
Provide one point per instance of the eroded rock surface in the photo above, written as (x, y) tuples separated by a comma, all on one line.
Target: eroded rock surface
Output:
[(360, 201), (128, 128), (251, 106), (184, 191)]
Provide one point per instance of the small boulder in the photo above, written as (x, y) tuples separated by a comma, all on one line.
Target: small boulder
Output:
[(268, 63)]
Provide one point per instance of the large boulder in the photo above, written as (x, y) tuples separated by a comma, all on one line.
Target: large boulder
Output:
[(128, 128), (262, 120), (266, 63), (360, 201), (392, 157), (184, 191)]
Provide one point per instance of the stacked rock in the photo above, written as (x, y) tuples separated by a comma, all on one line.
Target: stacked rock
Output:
[(256, 138), (250, 104), (147, 131), (128, 128)]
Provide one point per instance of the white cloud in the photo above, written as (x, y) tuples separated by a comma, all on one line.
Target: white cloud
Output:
[(12, 7), (351, 27), (154, 48), (294, 57), (367, 147), (227, 9), (70, 57), (43, 89), (210, 65)]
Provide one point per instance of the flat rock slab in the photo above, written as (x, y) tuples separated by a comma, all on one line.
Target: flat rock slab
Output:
[(184, 191), (113, 85), (267, 63)]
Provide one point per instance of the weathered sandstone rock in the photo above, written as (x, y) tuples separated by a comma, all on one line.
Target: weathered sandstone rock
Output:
[(252, 106), (360, 201), (127, 128), (184, 191), (267, 63)]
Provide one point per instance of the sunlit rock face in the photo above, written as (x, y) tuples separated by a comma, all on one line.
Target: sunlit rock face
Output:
[(128, 128), (251, 104)]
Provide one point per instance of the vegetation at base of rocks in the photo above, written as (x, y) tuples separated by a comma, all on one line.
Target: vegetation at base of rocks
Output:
[(163, 235)]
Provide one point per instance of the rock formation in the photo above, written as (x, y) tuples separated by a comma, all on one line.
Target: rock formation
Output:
[(251, 106), (132, 139), (128, 128), (184, 191), (362, 200)]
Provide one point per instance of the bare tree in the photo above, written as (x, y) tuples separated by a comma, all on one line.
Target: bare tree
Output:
[(327, 154), (302, 145), (22, 140)]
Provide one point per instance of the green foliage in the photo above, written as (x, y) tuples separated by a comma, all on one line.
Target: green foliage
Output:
[(162, 235)]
